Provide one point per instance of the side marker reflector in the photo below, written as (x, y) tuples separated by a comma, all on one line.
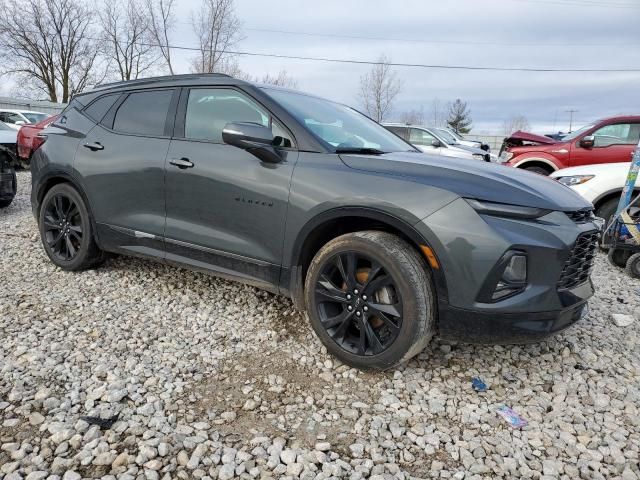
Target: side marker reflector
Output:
[(430, 256)]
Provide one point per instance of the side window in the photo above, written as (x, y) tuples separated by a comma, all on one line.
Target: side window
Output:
[(143, 113), (99, 108), (400, 131), (10, 117), (617, 134), (420, 137), (210, 109)]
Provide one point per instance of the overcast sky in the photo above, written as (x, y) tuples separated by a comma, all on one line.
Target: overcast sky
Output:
[(506, 33)]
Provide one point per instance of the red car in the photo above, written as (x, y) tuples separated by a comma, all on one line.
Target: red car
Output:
[(28, 140), (605, 141)]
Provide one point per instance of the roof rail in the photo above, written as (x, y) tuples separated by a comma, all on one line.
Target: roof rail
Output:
[(142, 81)]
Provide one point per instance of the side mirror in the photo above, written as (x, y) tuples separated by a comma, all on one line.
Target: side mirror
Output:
[(20, 122), (255, 139), (588, 142), (436, 143)]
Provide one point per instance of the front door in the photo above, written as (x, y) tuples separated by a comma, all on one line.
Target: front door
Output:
[(225, 208), (121, 161), (612, 143), (424, 141)]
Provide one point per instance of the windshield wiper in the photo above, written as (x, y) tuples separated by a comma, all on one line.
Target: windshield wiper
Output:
[(363, 150)]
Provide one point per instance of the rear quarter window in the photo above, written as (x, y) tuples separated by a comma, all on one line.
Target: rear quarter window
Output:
[(99, 107), (143, 113)]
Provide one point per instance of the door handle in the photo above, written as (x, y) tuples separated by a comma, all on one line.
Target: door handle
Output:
[(181, 163), (94, 146)]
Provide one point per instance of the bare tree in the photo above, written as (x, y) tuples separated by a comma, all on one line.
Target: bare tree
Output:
[(49, 45), (378, 89), (438, 113), (126, 28), (515, 123), (218, 30), (413, 117), (161, 24), (282, 79)]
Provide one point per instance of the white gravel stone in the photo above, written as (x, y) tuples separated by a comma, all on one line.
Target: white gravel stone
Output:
[(201, 374)]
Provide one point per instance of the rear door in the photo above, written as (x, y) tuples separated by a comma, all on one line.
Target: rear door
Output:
[(613, 143), (225, 208), (121, 162)]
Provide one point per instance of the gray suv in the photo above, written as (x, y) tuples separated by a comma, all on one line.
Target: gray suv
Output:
[(382, 246)]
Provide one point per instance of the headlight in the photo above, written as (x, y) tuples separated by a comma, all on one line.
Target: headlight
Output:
[(506, 156), (574, 179), (505, 209), (478, 156)]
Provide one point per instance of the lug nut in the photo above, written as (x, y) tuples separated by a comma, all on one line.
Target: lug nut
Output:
[(355, 291), (358, 313), (349, 308), (364, 297), (348, 297), (365, 308)]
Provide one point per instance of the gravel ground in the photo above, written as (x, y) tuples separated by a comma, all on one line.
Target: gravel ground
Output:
[(140, 370)]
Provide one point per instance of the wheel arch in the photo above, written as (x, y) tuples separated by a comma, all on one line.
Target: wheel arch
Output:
[(536, 162), (609, 195), (335, 222), (56, 178)]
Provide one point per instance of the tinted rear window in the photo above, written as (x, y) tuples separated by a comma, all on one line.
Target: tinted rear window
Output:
[(98, 109), (143, 113)]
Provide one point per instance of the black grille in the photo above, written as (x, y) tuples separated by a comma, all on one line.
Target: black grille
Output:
[(581, 216), (577, 268)]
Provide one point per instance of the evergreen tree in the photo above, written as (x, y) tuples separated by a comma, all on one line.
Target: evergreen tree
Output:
[(459, 117)]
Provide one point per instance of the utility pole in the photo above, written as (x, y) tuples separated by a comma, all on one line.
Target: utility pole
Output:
[(570, 112)]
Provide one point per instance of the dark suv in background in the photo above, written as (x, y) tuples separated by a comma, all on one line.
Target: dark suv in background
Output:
[(382, 246)]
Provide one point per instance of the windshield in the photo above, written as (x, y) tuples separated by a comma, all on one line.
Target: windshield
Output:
[(446, 136), (34, 117), (576, 134), (338, 126), (455, 134)]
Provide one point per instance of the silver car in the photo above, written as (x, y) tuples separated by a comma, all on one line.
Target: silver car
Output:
[(462, 141), (429, 140)]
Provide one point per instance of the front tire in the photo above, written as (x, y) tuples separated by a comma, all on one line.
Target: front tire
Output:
[(66, 231), (538, 170), (370, 299)]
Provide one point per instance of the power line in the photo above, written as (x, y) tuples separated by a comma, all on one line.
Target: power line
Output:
[(416, 40), (415, 65), (583, 3)]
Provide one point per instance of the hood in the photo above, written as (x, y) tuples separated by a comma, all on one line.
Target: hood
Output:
[(480, 180), (468, 148), (611, 169), (520, 136)]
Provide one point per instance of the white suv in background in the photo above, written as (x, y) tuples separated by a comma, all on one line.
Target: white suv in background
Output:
[(16, 118), (601, 184)]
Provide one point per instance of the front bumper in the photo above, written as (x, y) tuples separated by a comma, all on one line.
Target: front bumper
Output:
[(511, 328), (468, 247)]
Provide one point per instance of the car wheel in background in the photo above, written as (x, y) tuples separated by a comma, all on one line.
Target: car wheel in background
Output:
[(538, 170), (66, 230), (370, 299), (618, 257), (633, 265), (607, 210)]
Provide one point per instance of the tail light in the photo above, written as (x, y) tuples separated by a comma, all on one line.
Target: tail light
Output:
[(37, 142)]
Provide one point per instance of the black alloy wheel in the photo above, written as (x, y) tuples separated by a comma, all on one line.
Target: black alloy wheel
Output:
[(66, 229), (358, 303), (63, 228), (370, 298)]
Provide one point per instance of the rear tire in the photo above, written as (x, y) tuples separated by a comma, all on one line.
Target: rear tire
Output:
[(607, 210), (66, 230), (370, 299)]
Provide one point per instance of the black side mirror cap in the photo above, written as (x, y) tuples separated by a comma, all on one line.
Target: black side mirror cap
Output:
[(255, 139)]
